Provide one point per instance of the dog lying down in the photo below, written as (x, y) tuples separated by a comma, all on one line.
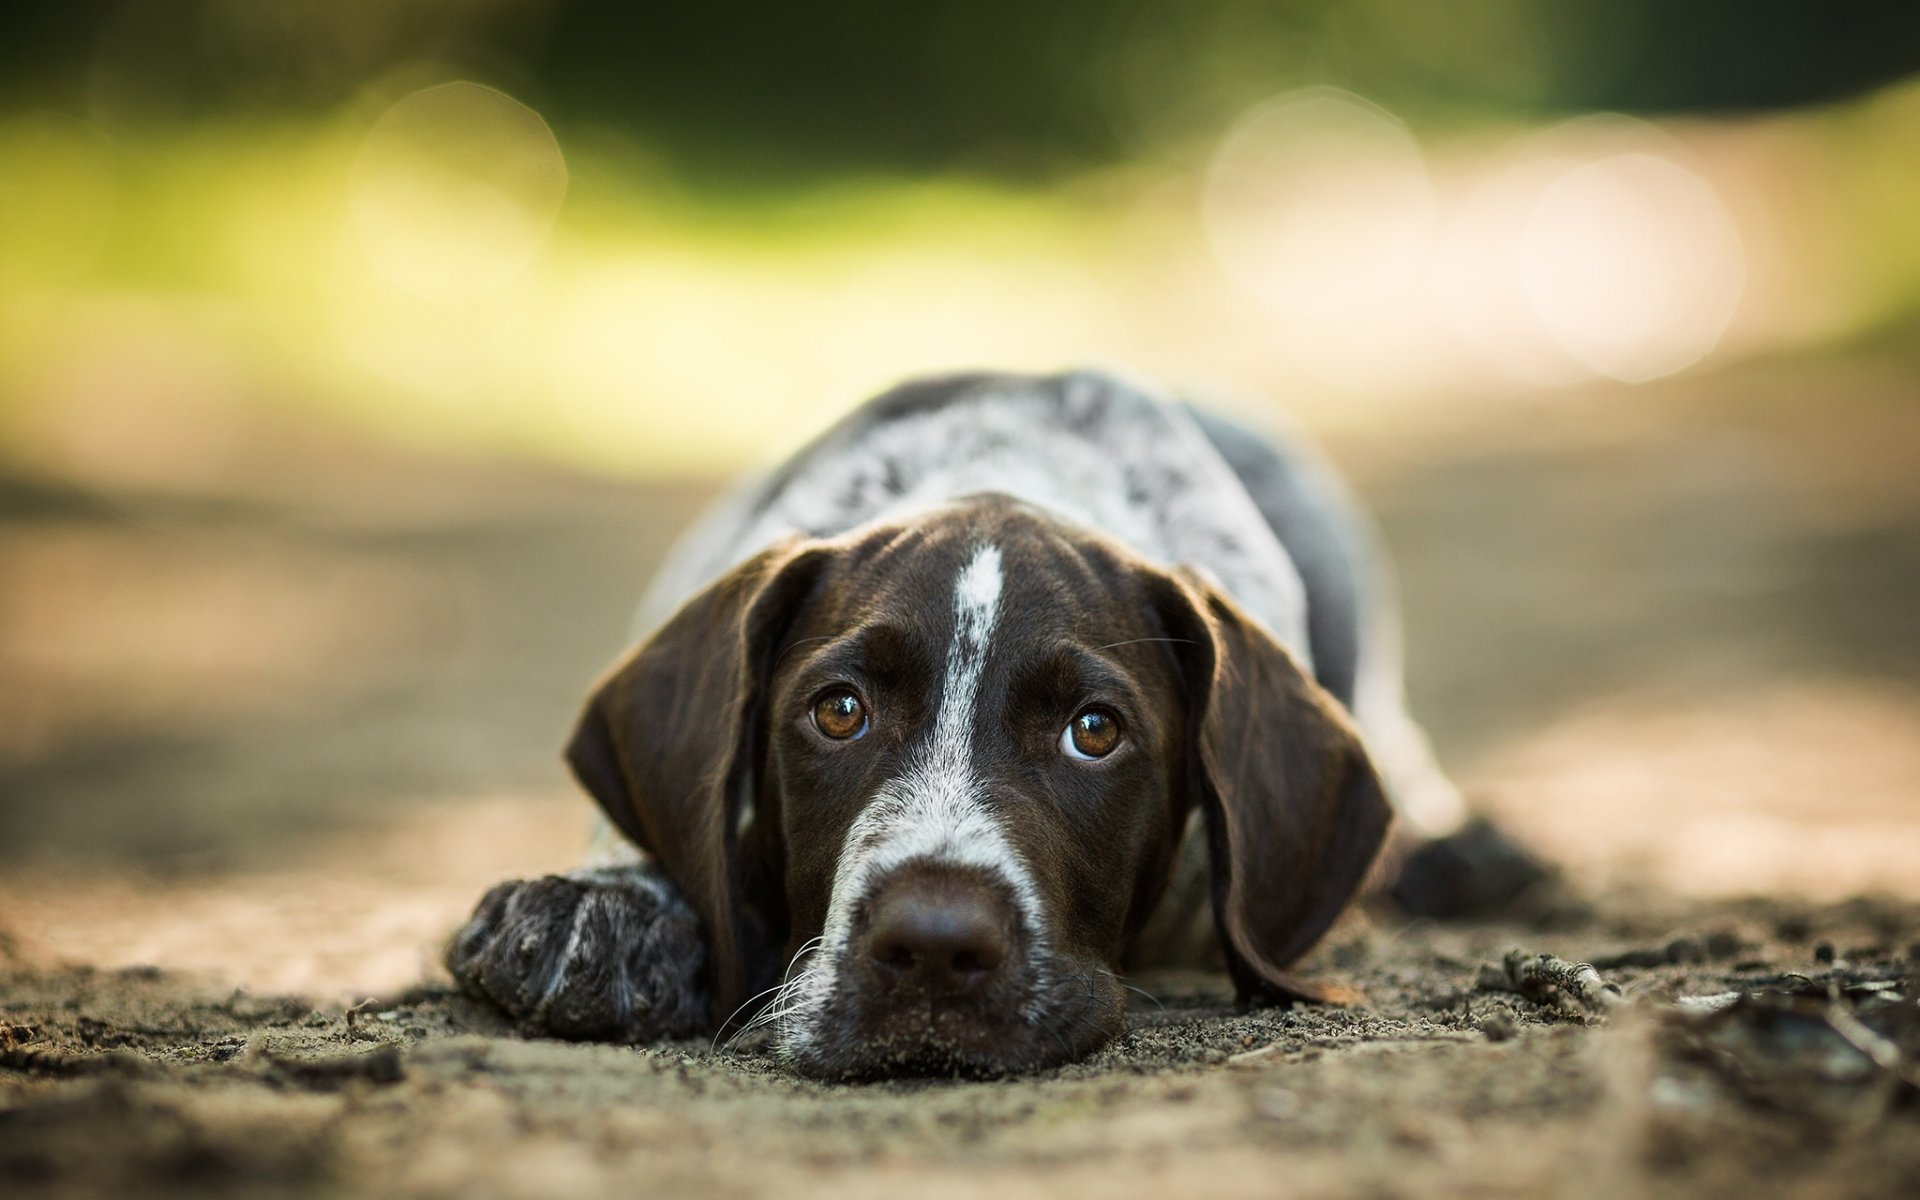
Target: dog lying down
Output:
[(1002, 686)]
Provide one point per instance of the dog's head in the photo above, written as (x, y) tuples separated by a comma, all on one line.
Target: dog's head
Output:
[(939, 770)]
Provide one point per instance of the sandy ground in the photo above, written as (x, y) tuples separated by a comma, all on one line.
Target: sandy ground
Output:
[(267, 732), (140, 1082)]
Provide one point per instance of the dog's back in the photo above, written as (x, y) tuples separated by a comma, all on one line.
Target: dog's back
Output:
[(1086, 447), (1266, 519)]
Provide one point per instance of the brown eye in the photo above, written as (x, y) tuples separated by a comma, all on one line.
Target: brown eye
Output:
[(840, 715), (1093, 733)]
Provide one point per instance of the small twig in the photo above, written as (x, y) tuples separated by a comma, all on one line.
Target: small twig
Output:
[(1545, 979)]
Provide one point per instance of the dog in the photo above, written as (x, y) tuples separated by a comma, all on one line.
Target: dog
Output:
[(1004, 685)]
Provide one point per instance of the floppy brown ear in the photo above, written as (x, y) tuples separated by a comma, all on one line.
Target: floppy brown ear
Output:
[(1294, 811), (670, 743)]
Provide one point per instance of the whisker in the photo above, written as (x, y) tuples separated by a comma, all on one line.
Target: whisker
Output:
[(1134, 988), (715, 1043), (791, 646), (1137, 641), (782, 1007), (778, 1007), (774, 1009)]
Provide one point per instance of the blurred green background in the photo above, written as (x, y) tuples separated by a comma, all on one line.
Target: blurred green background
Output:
[(358, 358), (644, 238)]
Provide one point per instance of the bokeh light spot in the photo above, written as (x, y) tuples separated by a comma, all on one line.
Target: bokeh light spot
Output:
[(455, 189), (1320, 204), (1633, 264)]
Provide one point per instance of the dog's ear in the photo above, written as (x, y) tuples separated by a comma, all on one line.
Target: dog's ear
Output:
[(1294, 811), (670, 743)]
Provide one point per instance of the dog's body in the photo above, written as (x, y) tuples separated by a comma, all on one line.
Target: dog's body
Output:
[(1080, 661)]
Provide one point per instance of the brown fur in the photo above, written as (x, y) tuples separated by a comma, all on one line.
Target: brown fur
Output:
[(671, 741), (1295, 814), (698, 721)]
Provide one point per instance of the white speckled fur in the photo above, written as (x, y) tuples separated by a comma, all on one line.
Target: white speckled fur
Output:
[(1069, 451), (1094, 449)]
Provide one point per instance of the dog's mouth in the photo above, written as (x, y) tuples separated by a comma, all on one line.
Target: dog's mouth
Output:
[(945, 968), (1063, 1012)]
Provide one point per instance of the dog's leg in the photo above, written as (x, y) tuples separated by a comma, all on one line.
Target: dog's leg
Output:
[(1450, 861), (1430, 806), (605, 953)]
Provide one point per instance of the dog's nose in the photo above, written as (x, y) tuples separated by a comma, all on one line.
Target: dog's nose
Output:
[(949, 933)]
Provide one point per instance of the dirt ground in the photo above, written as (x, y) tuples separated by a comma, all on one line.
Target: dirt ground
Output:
[(268, 729), (140, 1082)]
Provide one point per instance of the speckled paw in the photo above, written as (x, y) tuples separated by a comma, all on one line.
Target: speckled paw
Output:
[(613, 955)]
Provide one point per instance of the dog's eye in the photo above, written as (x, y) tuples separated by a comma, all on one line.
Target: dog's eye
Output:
[(1093, 733), (840, 715)]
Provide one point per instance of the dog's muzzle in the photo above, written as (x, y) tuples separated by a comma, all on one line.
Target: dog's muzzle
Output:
[(938, 974)]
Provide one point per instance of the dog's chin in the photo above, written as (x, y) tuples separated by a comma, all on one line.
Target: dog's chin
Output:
[(851, 1039)]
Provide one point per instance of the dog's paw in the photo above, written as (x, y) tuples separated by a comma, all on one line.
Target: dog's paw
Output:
[(1478, 871), (613, 955)]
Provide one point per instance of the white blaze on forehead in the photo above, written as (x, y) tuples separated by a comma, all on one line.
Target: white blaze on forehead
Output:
[(977, 595), (935, 811), (976, 610)]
